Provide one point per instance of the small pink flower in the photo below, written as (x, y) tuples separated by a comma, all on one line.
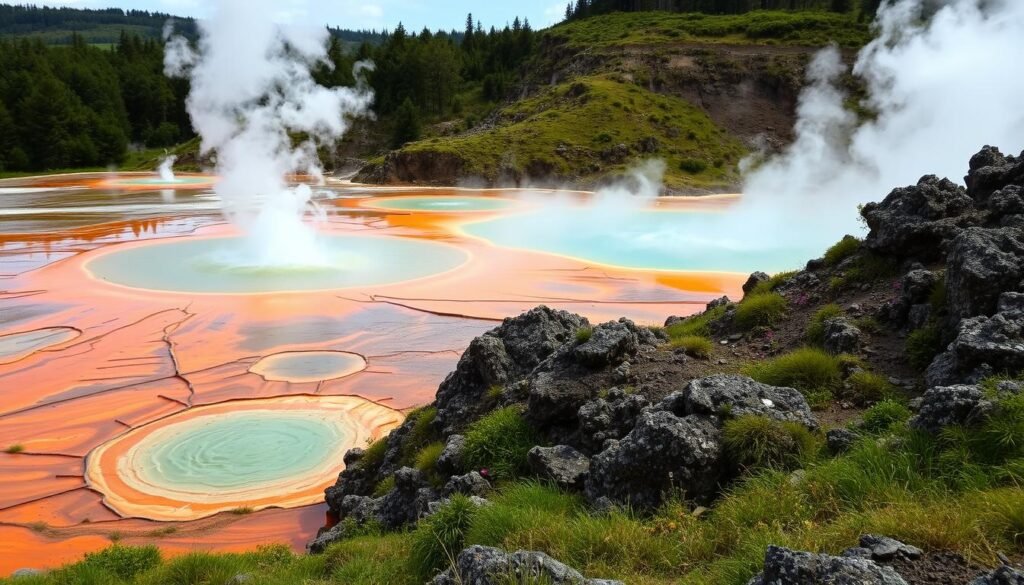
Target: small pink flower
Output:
[(485, 472)]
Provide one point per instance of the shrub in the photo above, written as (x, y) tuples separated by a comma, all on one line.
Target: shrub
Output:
[(841, 250), (806, 369), (499, 442), (694, 345), (923, 345), (756, 442), (760, 310), (583, 334), (816, 327), (693, 166), (884, 415), (124, 561), (867, 387), (438, 540)]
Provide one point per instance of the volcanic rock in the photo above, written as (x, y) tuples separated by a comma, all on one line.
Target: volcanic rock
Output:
[(1004, 575), (753, 280), (783, 566), (450, 460), (562, 464), (983, 346), (841, 336), (983, 263), (470, 484), (943, 406), (739, 396), (483, 565), (840, 440), (602, 419)]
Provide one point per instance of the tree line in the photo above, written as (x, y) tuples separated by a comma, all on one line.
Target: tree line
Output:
[(81, 106), (583, 8)]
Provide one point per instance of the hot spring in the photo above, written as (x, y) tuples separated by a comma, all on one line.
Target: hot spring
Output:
[(222, 265)]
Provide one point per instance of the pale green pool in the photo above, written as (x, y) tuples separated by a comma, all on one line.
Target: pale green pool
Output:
[(237, 450), (203, 265), (431, 203)]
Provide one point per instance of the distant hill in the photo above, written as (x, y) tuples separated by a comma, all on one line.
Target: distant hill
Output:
[(56, 26)]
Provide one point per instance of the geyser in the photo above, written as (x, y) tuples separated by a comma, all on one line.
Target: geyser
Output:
[(166, 169), (252, 93)]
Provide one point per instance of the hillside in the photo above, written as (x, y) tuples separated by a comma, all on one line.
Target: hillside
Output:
[(696, 90)]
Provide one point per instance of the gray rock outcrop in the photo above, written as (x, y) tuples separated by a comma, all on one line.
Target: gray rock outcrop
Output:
[(783, 566), (483, 565)]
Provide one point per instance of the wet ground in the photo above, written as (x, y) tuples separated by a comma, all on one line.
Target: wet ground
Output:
[(94, 361)]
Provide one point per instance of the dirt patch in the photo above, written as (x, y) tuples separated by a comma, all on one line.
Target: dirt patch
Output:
[(937, 568)]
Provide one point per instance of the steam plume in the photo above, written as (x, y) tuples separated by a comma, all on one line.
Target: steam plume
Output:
[(252, 93)]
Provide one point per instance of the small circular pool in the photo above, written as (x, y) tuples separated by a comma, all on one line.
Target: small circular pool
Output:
[(308, 366), (440, 203), (209, 265)]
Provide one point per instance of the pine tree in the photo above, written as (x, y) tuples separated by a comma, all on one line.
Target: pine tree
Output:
[(407, 124)]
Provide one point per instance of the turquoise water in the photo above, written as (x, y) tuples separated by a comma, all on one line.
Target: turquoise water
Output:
[(206, 266), (428, 203), (651, 240), (238, 450), (308, 365)]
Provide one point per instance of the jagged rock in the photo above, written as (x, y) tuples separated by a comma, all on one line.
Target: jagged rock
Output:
[(1004, 575), (841, 336), (918, 316), (753, 280), (1010, 301), (566, 466), (353, 456), (612, 342), (990, 171), (1007, 201), (719, 302), (738, 396), (983, 264), (450, 460), (662, 453), (434, 506), (408, 500), (783, 566), (840, 440), (25, 573), (883, 548), (470, 484), (501, 355), (611, 418), (943, 406), (983, 346), (917, 285), (915, 221), (483, 565)]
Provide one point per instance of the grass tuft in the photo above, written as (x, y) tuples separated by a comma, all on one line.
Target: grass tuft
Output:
[(864, 388), (694, 345), (439, 539), (923, 345), (15, 449), (842, 250), (807, 369), (754, 442), (696, 325), (583, 334), (816, 327), (426, 459), (499, 442), (763, 310), (884, 415)]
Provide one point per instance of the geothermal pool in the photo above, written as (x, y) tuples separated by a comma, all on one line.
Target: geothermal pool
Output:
[(158, 391)]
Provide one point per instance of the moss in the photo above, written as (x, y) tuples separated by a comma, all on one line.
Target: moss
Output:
[(498, 442), (842, 250), (760, 310), (816, 327), (583, 334), (694, 345)]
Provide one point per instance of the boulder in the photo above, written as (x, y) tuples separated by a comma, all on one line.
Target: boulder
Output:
[(450, 460), (983, 264), (602, 419), (737, 396), (26, 573), (943, 406), (753, 280), (500, 356), (562, 464), (783, 566), (662, 453), (611, 343), (483, 565), (917, 285), (719, 302), (990, 171), (841, 336), (1005, 575), (917, 221), (470, 484), (983, 346), (840, 440), (404, 504), (883, 548)]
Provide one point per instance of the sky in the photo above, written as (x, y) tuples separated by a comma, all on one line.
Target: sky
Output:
[(365, 14)]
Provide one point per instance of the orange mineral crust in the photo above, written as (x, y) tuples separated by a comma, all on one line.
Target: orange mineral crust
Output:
[(112, 382)]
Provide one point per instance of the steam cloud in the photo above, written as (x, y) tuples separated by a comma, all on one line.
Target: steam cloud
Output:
[(252, 91), (941, 89)]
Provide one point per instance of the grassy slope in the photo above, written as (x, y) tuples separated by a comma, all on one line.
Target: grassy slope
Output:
[(606, 113), (760, 27)]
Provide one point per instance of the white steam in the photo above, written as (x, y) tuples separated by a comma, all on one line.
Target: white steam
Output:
[(252, 94), (941, 89), (166, 169)]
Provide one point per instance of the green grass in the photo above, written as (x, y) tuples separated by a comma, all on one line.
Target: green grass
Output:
[(882, 416), (531, 132), (696, 325), (15, 449), (438, 540), (812, 371), (384, 486), (426, 459), (809, 28), (776, 280), (863, 388), (923, 345), (754, 442), (761, 310), (842, 250), (868, 268), (374, 453), (498, 442), (816, 326), (694, 345)]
